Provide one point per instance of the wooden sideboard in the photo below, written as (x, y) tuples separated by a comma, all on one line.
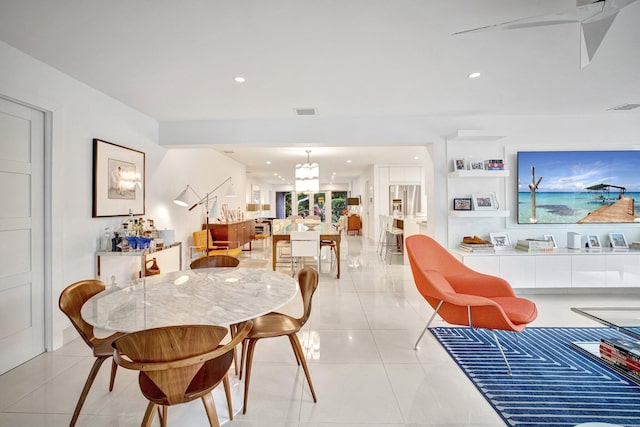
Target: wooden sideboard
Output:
[(238, 233), (354, 224)]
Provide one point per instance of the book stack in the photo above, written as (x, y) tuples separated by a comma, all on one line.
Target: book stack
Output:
[(634, 245), (623, 353), (477, 247), (533, 245), (494, 165)]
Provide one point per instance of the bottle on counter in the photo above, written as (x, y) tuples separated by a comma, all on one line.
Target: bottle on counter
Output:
[(105, 241)]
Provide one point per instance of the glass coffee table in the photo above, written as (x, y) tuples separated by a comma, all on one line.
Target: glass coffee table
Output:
[(623, 319)]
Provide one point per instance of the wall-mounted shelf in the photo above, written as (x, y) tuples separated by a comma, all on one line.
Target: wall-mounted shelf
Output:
[(479, 214), (474, 135), (478, 174)]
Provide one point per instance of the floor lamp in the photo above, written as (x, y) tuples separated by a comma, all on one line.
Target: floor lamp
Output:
[(181, 200)]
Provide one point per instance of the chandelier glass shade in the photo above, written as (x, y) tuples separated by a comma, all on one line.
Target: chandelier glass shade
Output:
[(307, 176)]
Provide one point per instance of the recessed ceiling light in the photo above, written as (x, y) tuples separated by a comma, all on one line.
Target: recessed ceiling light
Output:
[(268, 162), (348, 161), (239, 79), (474, 75), (416, 158)]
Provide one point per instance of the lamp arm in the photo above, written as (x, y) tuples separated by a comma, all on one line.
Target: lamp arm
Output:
[(206, 197)]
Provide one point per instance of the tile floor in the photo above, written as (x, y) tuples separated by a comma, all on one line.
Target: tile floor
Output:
[(359, 344)]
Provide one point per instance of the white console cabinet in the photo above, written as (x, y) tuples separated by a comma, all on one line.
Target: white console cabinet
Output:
[(564, 268)]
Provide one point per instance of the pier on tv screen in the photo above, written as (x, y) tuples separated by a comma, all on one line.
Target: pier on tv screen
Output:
[(578, 187)]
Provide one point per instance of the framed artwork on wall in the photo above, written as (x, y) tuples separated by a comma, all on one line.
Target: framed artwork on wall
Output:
[(118, 180)]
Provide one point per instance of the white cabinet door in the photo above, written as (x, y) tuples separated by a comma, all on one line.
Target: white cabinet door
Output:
[(487, 264), (519, 271), (553, 271), (622, 270), (588, 271)]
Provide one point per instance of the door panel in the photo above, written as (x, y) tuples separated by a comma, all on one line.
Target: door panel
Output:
[(21, 233)]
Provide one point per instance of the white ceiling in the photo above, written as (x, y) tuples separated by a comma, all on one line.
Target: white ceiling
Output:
[(176, 60)]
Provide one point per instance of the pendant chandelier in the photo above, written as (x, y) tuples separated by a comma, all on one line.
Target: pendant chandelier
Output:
[(307, 176)]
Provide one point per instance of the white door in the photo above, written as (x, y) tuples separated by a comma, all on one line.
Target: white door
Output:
[(21, 234)]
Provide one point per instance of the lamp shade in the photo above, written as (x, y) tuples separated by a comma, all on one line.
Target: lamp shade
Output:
[(307, 176), (183, 198), (253, 207), (266, 207), (231, 190)]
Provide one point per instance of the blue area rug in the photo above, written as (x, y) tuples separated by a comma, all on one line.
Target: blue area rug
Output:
[(552, 383)]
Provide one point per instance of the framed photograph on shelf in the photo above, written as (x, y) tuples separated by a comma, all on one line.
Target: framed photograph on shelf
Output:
[(118, 180), (552, 238), (484, 202), (500, 241), (462, 204), (618, 241), (459, 164), (593, 242), (476, 166)]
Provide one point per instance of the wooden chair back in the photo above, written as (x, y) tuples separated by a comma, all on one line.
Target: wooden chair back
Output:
[(308, 282), (169, 359), (72, 299), (215, 261)]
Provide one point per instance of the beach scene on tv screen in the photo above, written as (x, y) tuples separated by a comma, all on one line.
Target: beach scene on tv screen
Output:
[(578, 187)]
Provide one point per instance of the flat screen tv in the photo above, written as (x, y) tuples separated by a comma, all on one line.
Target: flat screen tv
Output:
[(578, 187)]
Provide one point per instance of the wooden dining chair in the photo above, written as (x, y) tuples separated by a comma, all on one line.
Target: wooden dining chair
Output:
[(215, 261), (274, 324), (219, 261), (71, 300), (179, 364)]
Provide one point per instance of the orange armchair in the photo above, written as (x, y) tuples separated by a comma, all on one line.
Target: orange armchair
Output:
[(462, 296)]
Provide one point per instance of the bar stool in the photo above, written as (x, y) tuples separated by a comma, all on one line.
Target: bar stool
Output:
[(394, 238)]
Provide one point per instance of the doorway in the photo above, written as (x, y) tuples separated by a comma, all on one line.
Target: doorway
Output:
[(22, 284)]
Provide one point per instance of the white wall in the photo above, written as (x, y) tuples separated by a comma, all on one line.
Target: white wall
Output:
[(79, 114)]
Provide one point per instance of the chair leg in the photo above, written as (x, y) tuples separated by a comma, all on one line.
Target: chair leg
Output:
[(87, 386), (233, 330), (227, 393), (293, 346), (210, 407), (415, 347), (162, 413), (250, 347), (243, 357), (149, 414), (112, 380), (298, 349), (495, 337)]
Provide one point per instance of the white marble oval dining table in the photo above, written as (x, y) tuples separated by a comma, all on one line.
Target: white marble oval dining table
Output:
[(211, 296)]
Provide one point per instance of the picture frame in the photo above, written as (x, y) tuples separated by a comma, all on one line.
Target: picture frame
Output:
[(476, 166), (459, 164), (593, 242), (118, 180), (484, 202), (618, 241), (552, 239), (501, 241), (462, 204)]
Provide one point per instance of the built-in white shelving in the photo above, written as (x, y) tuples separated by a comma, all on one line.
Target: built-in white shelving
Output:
[(479, 214), (479, 174)]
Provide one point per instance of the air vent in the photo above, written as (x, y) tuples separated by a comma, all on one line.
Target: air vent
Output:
[(625, 107), (306, 111), (228, 152)]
